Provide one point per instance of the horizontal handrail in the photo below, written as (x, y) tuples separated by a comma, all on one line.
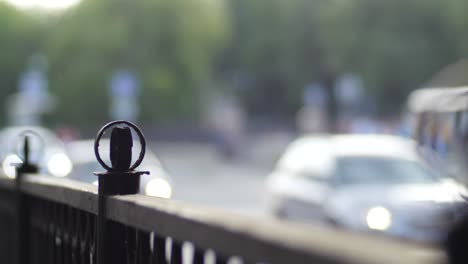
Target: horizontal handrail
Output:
[(255, 239)]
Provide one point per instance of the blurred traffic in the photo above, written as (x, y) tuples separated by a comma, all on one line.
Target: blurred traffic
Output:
[(366, 183), (48, 151), (339, 113)]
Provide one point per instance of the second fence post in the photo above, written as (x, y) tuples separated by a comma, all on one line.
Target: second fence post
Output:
[(23, 250), (114, 240)]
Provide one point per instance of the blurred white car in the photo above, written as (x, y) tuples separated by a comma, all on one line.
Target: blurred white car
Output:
[(46, 150), (158, 183), (366, 183)]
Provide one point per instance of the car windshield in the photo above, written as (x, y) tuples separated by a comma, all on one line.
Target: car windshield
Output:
[(376, 170)]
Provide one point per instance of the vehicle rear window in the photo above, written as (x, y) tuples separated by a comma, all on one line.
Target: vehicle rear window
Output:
[(376, 170)]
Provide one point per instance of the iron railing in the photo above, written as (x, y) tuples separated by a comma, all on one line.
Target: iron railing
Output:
[(49, 220)]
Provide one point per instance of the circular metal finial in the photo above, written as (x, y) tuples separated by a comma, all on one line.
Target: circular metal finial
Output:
[(140, 136)]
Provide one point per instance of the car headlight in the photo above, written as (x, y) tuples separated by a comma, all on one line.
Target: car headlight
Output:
[(8, 165), (158, 187), (379, 218), (59, 165)]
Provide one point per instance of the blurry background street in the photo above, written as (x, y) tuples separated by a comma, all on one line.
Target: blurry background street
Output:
[(202, 176)]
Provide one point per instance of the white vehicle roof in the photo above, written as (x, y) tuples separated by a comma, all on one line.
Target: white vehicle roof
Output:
[(318, 152), (375, 145), (360, 145), (443, 99)]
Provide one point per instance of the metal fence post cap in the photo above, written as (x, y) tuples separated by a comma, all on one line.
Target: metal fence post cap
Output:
[(128, 124), (120, 177)]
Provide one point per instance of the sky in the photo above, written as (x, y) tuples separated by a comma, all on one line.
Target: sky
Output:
[(42, 4)]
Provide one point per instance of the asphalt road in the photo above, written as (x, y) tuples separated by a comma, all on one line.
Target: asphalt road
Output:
[(200, 175)]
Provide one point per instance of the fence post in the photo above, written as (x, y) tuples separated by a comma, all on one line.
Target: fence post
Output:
[(121, 178), (22, 243)]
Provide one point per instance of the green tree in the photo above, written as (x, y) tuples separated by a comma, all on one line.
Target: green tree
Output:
[(395, 45), (169, 44), (19, 39), (275, 45), (458, 25)]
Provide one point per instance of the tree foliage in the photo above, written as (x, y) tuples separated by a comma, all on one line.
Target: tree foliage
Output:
[(18, 39), (268, 49), (169, 44), (394, 45), (276, 47)]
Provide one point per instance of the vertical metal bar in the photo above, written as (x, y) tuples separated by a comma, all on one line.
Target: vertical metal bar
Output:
[(159, 250), (56, 234), (35, 227), (8, 228), (22, 222), (144, 251), (198, 256), (86, 245), (176, 252), (131, 245), (43, 246), (34, 239), (44, 235), (73, 219), (82, 228), (51, 232), (66, 235), (112, 243), (101, 225), (59, 235), (23, 247), (92, 238), (38, 231), (220, 259)]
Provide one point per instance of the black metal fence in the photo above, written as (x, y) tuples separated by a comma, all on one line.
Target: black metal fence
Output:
[(55, 220)]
